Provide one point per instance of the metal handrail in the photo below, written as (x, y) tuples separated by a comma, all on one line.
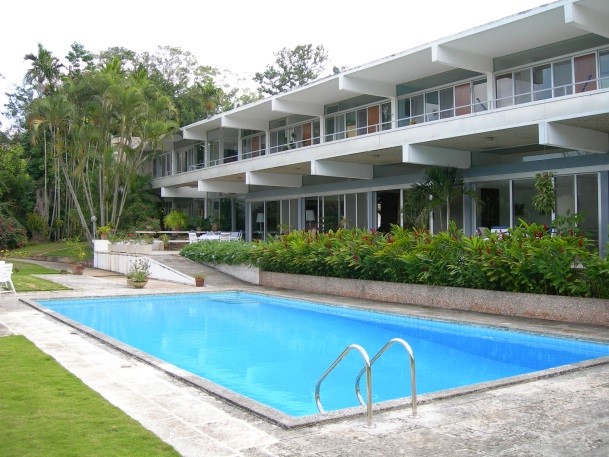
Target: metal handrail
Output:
[(366, 368), (413, 384)]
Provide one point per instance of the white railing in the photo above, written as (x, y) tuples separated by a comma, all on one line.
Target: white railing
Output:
[(476, 108)]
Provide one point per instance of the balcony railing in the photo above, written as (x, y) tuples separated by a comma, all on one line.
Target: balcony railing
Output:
[(476, 108)]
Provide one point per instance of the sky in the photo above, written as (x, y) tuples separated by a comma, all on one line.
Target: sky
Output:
[(241, 36)]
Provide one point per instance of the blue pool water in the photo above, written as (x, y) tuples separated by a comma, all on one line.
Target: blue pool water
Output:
[(274, 350)]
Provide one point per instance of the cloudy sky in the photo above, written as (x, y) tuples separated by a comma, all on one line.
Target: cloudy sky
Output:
[(238, 35)]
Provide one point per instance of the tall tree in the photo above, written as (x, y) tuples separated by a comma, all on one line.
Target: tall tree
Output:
[(45, 71), (293, 68), (80, 60)]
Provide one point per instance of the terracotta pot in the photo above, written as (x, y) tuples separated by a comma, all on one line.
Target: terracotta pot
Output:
[(199, 282), (78, 268)]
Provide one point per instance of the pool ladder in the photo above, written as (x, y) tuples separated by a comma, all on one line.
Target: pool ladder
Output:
[(368, 370)]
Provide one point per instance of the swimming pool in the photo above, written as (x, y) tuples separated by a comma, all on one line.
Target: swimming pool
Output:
[(273, 350)]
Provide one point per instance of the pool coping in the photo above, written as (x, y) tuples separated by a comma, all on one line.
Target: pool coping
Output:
[(288, 422)]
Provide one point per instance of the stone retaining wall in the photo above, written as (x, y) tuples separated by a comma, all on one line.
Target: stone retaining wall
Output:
[(549, 307)]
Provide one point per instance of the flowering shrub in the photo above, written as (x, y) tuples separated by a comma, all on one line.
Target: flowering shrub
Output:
[(12, 233), (129, 238), (139, 270), (528, 259)]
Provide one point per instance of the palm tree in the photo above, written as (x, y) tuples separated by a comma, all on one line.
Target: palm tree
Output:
[(439, 189), (44, 76), (45, 71)]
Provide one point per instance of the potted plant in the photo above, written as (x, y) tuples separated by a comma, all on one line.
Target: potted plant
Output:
[(199, 280), (176, 220), (215, 222), (78, 255), (138, 274), (103, 231), (165, 239)]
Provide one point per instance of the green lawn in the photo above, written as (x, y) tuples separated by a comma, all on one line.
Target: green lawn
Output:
[(58, 249), (45, 410), (25, 282)]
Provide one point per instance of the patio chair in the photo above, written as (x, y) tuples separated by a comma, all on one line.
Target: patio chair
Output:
[(6, 271), (224, 236), (235, 236), (192, 237)]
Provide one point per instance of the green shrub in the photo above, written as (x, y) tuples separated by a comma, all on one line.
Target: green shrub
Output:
[(12, 233), (230, 253), (176, 220), (528, 259)]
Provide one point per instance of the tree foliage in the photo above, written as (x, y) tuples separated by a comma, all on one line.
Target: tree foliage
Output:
[(544, 200), (293, 68), (87, 125)]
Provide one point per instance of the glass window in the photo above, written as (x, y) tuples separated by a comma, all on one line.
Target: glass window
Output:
[(524, 191), (403, 112), (293, 214), (563, 78), (447, 103), (350, 210), (332, 214), (479, 96), (585, 73), (386, 116), (362, 210), (341, 127), (316, 132), (565, 194), (373, 119), (417, 109), (587, 205), (522, 86), (362, 121), (257, 220), (272, 218), (504, 90), (542, 82), (311, 215), (495, 211), (463, 99), (274, 142), (603, 64), (330, 129), (432, 106), (351, 123), (306, 134), (214, 152)]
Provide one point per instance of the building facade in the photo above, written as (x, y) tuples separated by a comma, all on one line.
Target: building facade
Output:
[(501, 102)]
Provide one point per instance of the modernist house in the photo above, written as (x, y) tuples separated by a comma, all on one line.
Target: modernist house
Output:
[(501, 102)]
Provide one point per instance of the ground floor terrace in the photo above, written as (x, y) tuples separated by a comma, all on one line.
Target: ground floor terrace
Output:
[(567, 414), (506, 192)]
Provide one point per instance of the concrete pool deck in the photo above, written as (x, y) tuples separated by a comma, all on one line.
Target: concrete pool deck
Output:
[(560, 415)]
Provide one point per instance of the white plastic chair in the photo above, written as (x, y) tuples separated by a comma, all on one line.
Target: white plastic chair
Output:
[(192, 237), (6, 271)]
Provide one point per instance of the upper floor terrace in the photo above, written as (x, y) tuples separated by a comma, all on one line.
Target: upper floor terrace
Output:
[(520, 79)]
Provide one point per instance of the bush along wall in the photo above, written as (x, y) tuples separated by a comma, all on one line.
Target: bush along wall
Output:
[(528, 259)]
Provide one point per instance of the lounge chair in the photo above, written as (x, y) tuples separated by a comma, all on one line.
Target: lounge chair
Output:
[(235, 236), (6, 271)]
